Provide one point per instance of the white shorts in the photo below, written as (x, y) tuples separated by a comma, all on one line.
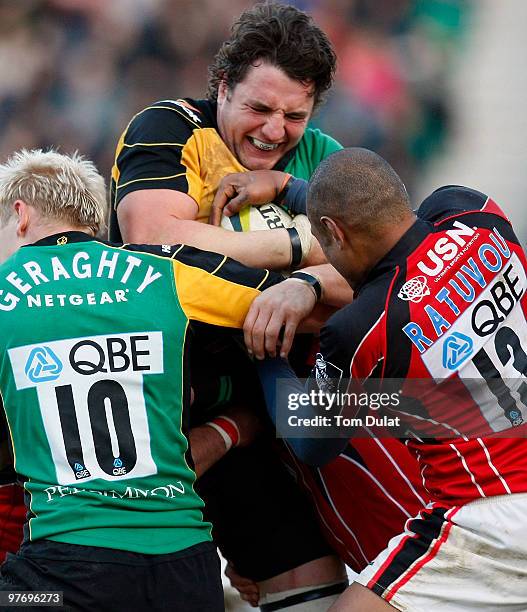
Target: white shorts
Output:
[(471, 557)]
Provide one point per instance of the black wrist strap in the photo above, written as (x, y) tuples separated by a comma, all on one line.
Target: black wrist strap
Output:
[(279, 199), (312, 280), (296, 247), (293, 196), (296, 197)]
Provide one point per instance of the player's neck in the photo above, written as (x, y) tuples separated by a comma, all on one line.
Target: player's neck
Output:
[(394, 233), (379, 247), (49, 229)]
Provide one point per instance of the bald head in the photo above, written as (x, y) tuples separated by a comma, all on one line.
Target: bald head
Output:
[(359, 209), (359, 188)]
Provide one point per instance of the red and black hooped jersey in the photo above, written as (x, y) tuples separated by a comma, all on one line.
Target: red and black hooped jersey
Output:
[(445, 311)]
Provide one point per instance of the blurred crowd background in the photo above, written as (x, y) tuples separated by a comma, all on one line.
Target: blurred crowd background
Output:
[(73, 72)]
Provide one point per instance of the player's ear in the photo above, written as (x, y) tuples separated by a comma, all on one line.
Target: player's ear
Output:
[(23, 213), (223, 91), (335, 231)]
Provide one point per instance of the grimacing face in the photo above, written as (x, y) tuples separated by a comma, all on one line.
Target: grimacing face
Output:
[(263, 116)]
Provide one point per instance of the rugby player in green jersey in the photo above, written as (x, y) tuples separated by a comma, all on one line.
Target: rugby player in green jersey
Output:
[(95, 387)]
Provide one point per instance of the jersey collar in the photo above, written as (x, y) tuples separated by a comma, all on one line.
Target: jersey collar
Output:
[(281, 164), (398, 254), (62, 238)]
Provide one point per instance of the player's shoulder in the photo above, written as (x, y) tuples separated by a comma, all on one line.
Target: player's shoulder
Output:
[(452, 200), (313, 147), (170, 118), (199, 113), (313, 137)]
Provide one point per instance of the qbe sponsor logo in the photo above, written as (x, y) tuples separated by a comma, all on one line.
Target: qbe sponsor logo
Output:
[(90, 394), (457, 349), (43, 365)]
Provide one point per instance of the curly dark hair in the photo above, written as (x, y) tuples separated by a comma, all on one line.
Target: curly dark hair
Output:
[(284, 37)]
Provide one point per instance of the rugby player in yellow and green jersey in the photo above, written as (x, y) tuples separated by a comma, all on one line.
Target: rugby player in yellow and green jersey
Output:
[(264, 84), (95, 341)]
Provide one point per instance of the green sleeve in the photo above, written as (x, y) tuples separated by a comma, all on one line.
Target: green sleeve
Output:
[(311, 150)]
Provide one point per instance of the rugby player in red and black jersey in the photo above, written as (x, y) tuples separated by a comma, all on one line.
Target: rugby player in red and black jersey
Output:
[(12, 509), (440, 305)]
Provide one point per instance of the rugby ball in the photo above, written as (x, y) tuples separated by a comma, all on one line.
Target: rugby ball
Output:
[(254, 218)]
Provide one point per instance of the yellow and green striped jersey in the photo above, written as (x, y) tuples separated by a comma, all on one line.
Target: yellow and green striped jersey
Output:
[(95, 384)]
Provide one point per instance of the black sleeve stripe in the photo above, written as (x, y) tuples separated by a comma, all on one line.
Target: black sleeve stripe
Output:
[(213, 263), (227, 269), (158, 250), (206, 260), (264, 281), (261, 279), (220, 265), (178, 248)]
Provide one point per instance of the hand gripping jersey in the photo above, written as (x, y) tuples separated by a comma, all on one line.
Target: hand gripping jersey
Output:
[(448, 303), (175, 144), (94, 382)]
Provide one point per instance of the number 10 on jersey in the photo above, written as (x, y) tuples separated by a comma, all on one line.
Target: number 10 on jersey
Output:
[(90, 395)]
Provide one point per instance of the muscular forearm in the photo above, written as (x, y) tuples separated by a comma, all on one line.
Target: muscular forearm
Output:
[(169, 217), (269, 249), (335, 289)]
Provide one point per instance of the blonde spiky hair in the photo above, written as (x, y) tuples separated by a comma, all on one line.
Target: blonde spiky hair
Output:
[(62, 187)]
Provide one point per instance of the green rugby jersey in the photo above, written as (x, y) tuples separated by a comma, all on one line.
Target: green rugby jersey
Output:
[(95, 384), (175, 144)]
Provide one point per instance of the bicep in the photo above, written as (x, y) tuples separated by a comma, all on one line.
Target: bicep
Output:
[(151, 216)]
